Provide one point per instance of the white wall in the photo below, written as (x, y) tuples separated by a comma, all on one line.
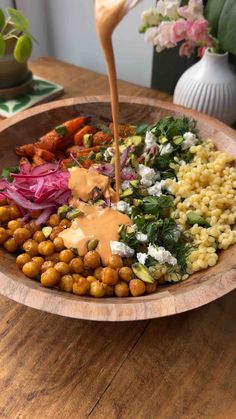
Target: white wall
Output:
[(66, 30), (6, 3)]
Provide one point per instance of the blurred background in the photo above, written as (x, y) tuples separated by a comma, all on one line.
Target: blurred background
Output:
[(65, 30)]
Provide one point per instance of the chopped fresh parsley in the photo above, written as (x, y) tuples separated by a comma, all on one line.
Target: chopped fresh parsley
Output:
[(61, 130), (6, 172)]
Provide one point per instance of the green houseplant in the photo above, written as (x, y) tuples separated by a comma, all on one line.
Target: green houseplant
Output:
[(15, 48)]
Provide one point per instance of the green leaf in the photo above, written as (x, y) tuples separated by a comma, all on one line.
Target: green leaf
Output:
[(4, 107), (2, 46), (17, 18), (6, 172), (141, 129), (157, 204), (194, 218), (21, 103), (2, 19), (61, 130), (212, 13), (23, 49), (104, 128), (226, 28)]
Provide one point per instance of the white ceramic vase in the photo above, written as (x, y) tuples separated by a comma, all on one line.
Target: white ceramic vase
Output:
[(210, 87)]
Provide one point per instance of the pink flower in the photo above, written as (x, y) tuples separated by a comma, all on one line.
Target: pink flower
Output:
[(197, 32), (187, 49), (163, 38), (178, 31), (193, 11)]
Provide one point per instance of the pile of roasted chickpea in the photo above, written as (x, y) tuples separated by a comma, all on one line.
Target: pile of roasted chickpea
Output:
[(46, 259)]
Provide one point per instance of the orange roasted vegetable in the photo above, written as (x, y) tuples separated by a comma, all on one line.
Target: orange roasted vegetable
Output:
[(101, 138), (124, 130), (78, 137), (27, 150), (78, 151)]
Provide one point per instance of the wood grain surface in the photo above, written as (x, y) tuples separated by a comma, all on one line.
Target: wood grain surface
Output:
[(176, 367)]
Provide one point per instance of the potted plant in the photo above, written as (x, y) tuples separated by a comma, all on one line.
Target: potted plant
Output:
[(15, 49), (210, 85)]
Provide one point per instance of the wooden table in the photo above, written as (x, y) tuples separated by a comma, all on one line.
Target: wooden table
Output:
[(176, 367)]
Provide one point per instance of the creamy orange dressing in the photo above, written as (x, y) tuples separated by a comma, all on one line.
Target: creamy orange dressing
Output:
[(83, 182), (96, 223), (108, 13)]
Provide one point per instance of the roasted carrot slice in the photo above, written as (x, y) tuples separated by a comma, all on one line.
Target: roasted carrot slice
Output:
[(78, 151), (101, 138), (74, 124), (44, 154), (26, 150), (87, 163), (78, 137)]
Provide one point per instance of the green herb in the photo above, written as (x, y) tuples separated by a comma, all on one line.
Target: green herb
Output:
[(61, 130), (162, 163), (170, 127), (194, 218), (141, 129), (104, 128), (128, 238), (6, 172), (157, 204)]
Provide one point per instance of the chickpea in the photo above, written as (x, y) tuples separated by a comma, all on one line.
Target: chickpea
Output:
[(50, 277), (137, 287), (46, 265), (150, 288), (76, 265), (115, 262), (10, 245), (39, 236), (98, 273), (54, 257), (126, 274), (91, 278), (81, 287), (22, 259), (21, 235), (127, 262), (46, 248), (62, 267), (14, 224), (31, 247), (38, 259), (66, 283), (66, 255), (92, 259), (31, 269), (76, 277), (59, 244), (122, 289), (109, 276), (4, 235), (55, 232), (109, 290), (4, 214), (33, 226), (97, 289), (10, 232), (53, 221), (65, 223), (14, 212)]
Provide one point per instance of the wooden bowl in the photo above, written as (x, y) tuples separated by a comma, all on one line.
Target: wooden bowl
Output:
[(198, 290)]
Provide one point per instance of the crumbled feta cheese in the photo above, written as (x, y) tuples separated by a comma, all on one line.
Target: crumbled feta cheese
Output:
[(161, 255), (150, 140), (156, 189), (166, 149), (141, 237), (109, 152), (125, 185), (141, 257), (121, 249), (122, 206), (182, 163), (190, 139), (148, 175)]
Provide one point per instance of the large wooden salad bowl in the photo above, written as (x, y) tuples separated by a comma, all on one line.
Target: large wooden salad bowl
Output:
[(198, 290)]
